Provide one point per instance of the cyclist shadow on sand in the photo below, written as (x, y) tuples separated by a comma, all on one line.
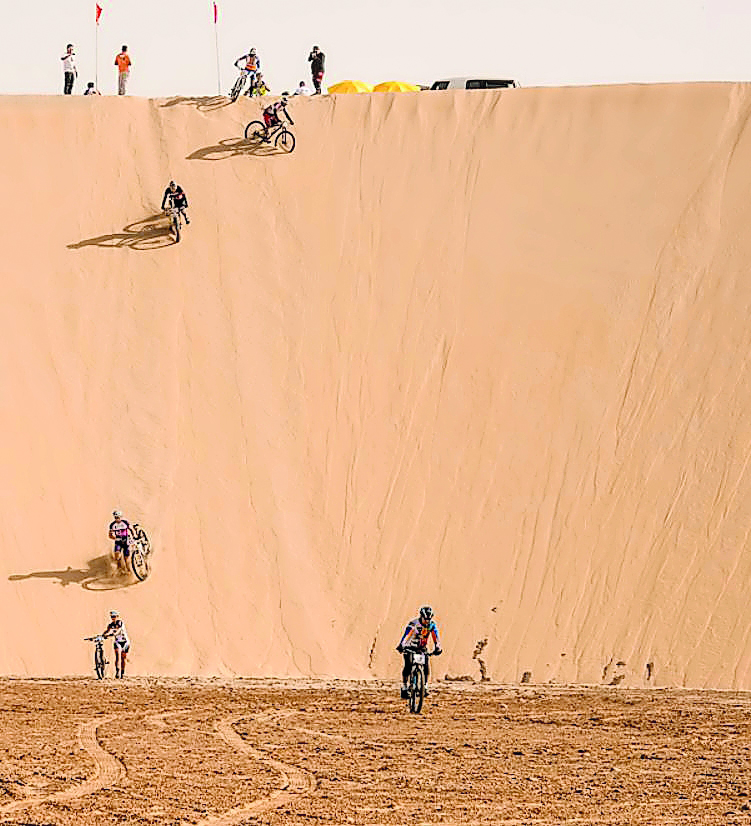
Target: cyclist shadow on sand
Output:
[(203, 104), (147, 234), (99, 574), (233, 148)]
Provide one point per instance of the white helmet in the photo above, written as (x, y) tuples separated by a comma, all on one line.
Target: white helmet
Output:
[(114, 614), (118, 514)]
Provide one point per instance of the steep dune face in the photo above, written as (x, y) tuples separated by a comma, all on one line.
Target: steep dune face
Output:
[(486, 350)]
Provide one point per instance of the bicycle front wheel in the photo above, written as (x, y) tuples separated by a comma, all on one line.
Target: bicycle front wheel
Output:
[(416, 689), (236, 89), (176, 229), (99, 662), (285, 141), (139, 563), (255, 131)]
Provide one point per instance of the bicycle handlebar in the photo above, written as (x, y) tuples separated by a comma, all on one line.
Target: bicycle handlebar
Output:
[(95, 639)]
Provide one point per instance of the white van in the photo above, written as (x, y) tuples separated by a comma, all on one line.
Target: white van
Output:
[(474, 83)]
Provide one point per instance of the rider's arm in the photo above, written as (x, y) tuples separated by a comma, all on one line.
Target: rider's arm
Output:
[(436, 637), (166, 196), (408, 631)]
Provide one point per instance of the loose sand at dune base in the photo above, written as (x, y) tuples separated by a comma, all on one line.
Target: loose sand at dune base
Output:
[(170, 751)]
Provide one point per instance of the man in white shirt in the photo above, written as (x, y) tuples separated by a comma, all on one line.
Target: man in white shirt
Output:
[(302, 89), (70, 71)]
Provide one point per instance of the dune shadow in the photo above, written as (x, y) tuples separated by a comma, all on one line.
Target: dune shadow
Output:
[(203, 104), (233, 147), (147, 234), (98, 575)]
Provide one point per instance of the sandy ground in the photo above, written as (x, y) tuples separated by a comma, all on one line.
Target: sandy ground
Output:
[(159, 751)]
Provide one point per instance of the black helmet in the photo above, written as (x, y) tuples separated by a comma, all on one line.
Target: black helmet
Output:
[(426, 613)]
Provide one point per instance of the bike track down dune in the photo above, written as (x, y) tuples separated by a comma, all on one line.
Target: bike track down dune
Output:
[(295, 782), (108, 770)]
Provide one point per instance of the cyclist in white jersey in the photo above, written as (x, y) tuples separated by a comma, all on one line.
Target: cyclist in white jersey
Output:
[(120, 640)]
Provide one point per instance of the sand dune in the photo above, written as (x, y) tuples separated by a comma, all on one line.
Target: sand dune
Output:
[(488, 350)]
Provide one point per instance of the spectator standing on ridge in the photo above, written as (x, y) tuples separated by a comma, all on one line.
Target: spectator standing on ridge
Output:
[(122, 61), (302, 89), (90, 89), (69, 69), (317, 60)]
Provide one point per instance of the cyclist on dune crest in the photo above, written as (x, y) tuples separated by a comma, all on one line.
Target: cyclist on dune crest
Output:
[(415, 637), (121, 642), (119, 529)]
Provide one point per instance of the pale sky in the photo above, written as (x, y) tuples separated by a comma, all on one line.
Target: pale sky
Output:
[(537, 42)]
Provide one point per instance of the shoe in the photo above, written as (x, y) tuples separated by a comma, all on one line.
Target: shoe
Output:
[(117, 675), (404, 693), (427, 691), (187, 220)]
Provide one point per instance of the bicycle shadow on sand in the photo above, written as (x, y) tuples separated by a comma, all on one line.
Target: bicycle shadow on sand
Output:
[(99, 574), (233, 148), (203, 104), (147, 234)]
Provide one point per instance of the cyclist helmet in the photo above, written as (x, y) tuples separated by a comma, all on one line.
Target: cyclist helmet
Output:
[(426, 614), (114, 614), (118, 514), (172, 184), (252, 51)]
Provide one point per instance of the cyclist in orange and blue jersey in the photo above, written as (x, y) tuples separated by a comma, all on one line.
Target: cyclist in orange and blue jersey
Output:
[(416, 636)]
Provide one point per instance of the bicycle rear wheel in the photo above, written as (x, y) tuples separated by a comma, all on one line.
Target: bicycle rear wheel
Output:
[(416, 689), (99, 663), (285, 141), (255, 131)]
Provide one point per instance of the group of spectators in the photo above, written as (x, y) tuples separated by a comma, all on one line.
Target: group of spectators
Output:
[(70, 72), (316, 58)]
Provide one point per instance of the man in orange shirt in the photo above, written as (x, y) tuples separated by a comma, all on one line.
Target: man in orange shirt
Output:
[(122, 61)]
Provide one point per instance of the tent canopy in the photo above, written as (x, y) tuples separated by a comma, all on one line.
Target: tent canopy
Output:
[(350, 87), (396, 86)]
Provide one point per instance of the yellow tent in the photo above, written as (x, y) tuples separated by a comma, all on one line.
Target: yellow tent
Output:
[(350, 87), (396, 86)]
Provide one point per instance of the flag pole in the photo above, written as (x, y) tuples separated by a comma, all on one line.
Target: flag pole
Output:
[(98, 11), (216, 45)]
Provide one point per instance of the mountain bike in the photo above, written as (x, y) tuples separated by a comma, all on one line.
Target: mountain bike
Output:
[(240, 82), (283, 139), (416, 681), (140, 551), (100, 663)]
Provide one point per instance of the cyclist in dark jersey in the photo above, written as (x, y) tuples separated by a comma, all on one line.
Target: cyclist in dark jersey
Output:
[(177, 198), (416, 637)]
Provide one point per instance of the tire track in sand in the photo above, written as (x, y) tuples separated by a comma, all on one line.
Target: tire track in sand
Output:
[(295, 782), (108, 770)]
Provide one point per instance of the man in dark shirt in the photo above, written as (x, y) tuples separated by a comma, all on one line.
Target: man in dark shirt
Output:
[(317, 60)]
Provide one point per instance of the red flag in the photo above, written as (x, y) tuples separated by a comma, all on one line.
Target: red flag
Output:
[(215, 14), (98, 12)]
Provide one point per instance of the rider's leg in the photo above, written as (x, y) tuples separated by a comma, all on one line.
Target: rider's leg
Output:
[(123, 655), (427, 673), (405, 673), (185, 215), (251, 84), (118, 655)]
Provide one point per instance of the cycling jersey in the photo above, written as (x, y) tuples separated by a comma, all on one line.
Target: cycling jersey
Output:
[(120, 529), (178, 197), (416, 635), (252, 62), (116, 629)]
